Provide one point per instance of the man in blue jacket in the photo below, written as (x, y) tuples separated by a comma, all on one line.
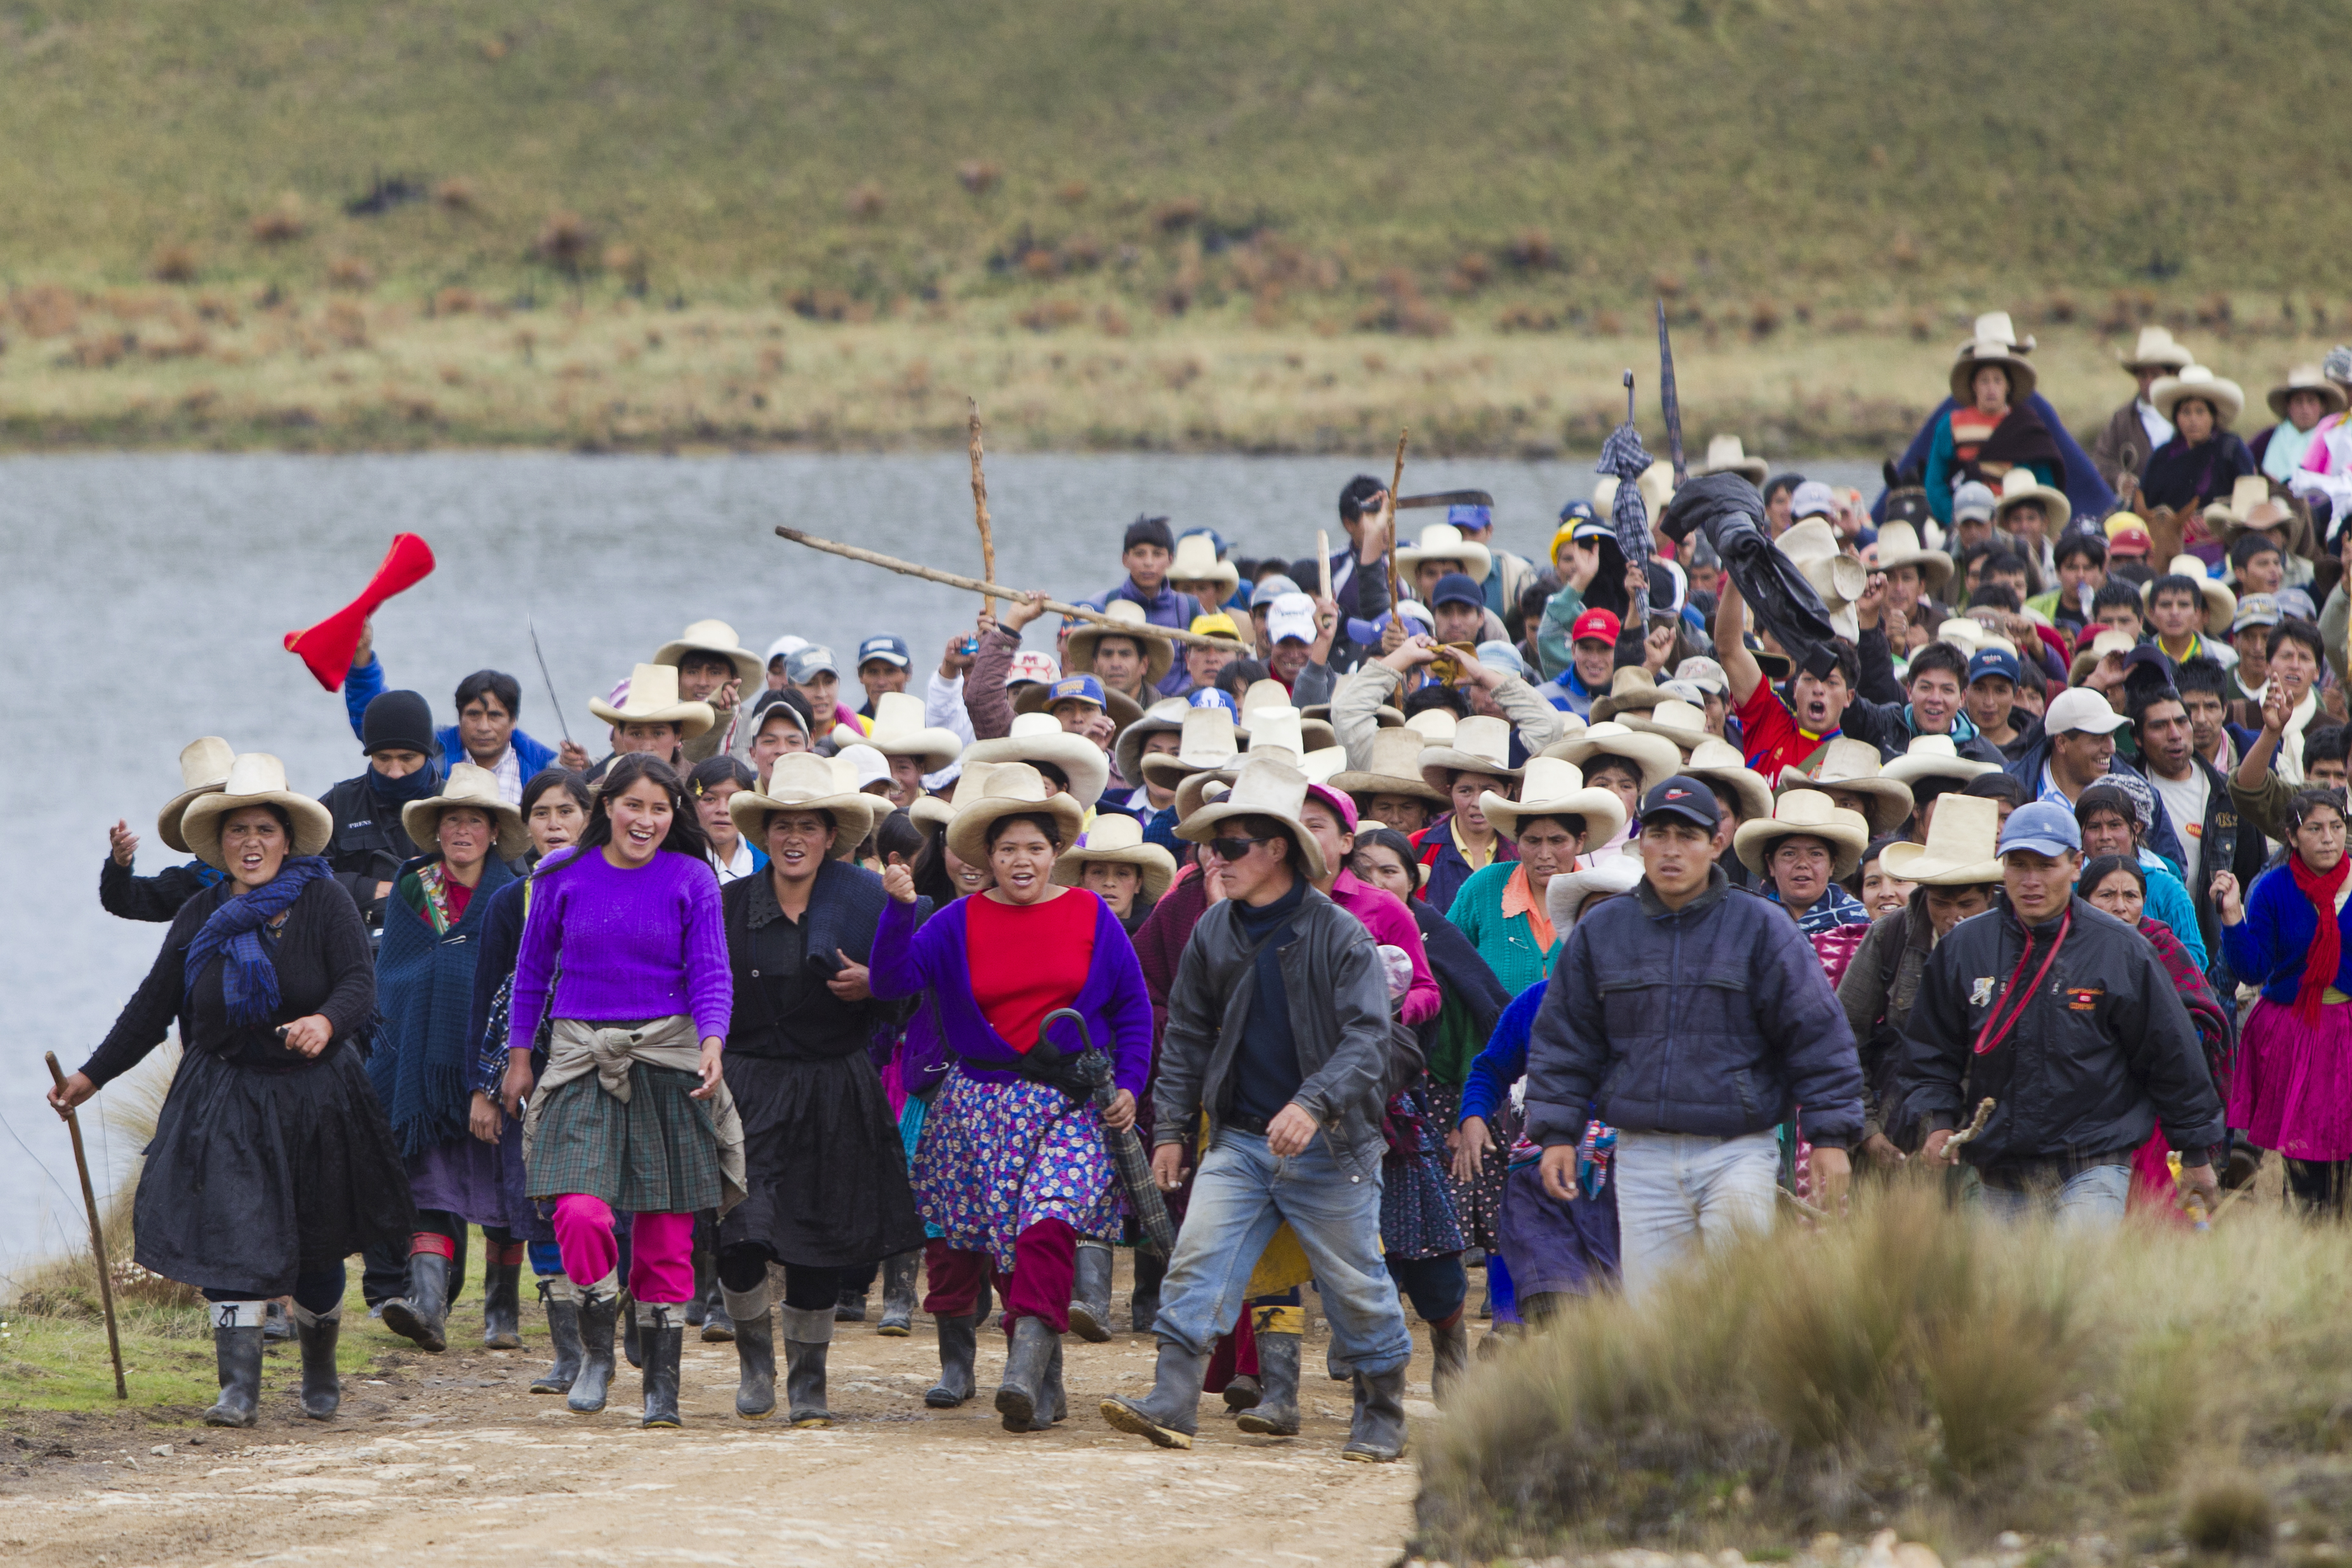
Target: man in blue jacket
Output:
[(489, 701), (1694, 1020)]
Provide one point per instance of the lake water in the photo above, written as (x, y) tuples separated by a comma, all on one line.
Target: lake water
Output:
[(147, 597)]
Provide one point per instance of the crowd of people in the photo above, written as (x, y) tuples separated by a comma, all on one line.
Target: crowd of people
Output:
[(1422, 909)]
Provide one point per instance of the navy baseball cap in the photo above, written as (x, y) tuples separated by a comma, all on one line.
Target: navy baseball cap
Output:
[(1683, 797), (1456, 589), (2043, 827), (1076, 689), (1580, 511), (890, 650), (1993, 661)]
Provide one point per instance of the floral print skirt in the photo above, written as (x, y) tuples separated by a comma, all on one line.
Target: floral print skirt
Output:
[(996, 1158)]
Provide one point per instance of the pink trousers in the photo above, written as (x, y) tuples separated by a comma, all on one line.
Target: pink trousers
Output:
[(661, 1248)]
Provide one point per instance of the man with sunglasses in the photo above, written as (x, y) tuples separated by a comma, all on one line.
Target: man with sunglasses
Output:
[(1279, 1028)]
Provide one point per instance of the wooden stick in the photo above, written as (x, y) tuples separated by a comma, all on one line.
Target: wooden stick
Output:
[(1975, 1125), (958, 580), (979, 513), (1323, 558), (97, 1233), (1396, 477)]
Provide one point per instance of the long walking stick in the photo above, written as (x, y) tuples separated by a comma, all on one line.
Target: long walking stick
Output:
[(1396, 477), (980, 511), (97, 1233)]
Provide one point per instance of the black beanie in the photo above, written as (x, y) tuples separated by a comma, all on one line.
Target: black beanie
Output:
[(1148, 531), (398, 721)]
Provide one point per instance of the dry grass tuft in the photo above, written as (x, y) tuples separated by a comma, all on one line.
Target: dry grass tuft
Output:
[(278, 225), (979, 177), (2229, 1514), (174, 264), (864, 201), (45, 310), (566, 243), (350, 272), (1071, 193), (456, 194)]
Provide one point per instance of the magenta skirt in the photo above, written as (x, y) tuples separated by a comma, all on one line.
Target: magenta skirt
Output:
[(2293, 1090)]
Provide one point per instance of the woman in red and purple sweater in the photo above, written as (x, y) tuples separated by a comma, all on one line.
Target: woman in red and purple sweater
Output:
[(1011, 1167)]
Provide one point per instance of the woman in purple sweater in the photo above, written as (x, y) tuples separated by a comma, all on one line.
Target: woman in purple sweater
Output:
[(631, 1113), (1011, 1166)]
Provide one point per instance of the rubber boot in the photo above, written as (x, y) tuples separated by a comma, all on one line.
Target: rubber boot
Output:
[(1028, 1365), (422, 1313), (1171, 1414), (632, 1343), (1090, 1291), (808, 1334), (236, 1350), (755, 1352), (276, 1325), (1143, 1306), (1276, 1414), (706, 1283), (560, 1299), (851, 1307), (959, 1343), (1377, 1434), (1449, 1346), (600, 1312), (898, 1272), (1244, 1392), (501, 1305), (322, 1388), (717, 1327), (661, 1330)]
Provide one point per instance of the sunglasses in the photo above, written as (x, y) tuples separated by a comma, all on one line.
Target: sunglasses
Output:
[(1233, 850)]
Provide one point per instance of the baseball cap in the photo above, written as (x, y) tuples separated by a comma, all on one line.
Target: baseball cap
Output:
[(1029, 666), (1973, 501), (2255, 610), (1684, 797), (1578, 511), (2131, 539), (1704, 673), (1456, 589), (1500, 655), (1269, 589), (1210, 697), (2296, 604), (1814, 498), (1471, 516), (1214, 537), (890, 650), (1417, 612), (2043, 827), (1993, 661), (2079, 710), (1293, 615), (1076, 689), (1596, 624), (815, 659), (1220, 625)]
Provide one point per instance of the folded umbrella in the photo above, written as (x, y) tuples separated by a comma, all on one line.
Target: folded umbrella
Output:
[(1126, 1150), (1730, 512)]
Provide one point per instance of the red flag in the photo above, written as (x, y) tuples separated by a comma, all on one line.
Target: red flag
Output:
[(327, 647)]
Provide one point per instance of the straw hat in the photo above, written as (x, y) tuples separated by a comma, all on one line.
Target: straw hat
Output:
[(2227, 398), (1630, 687), (1854, 766), (1713, 760), (1265, 786), (1435, 725), (1898, 545), (1207, 742), (1195, 561), (1971, 636), (1392, 768), (1159, 652), (1037, 698), (899, 731), (205, 763), (1444, 542), (1726, 455), (1118, 840), (1961, 848), (2306, 378), (653, 699), (719, 637), (254, 778), (1658, 758), (2107, 640), (1934, 757), (857, 768), (2018, 486), (1165, 717), (1277, 730), (2250, 505), (1269, 695), (1994, 342), (2220, 604), (2156, 350), (1322, 764), (1040, 738), (802, 781), (1682, 722), (467, 784), (1015, 789), (1804, 814), (1837, 578), (1555, 788), (971, 783), (1479, 745), (1564, 894)]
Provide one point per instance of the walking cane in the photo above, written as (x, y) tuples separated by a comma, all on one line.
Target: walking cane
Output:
[(1127, 1153), (97, 1233)]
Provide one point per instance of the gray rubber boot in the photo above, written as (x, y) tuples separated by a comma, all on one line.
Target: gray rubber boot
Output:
[(422, 1313), (808, 1335), (1276, 1414), (599, 1312), (236, 1351), (502, 1307), (661, 1330), (560, 1299), (755, 1352), (1028, 1366), (1171, 1414), (1377, 1434), (959, 1344), (899, 1273), (1090, 1291), (322, 1387)]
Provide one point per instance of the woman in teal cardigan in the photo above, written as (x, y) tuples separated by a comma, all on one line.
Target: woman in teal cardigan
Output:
[(1501, 909)]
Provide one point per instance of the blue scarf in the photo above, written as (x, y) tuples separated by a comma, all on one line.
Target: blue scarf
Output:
[(425, 781), (249, 982)]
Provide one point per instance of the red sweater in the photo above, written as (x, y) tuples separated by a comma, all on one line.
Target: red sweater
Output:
[(1027, 959)]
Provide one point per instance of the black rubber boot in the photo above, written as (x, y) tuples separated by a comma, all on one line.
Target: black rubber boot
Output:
[(755, 1352), (322, 1387), (661, 1330), (1171, 1414), (598, 1316), (898, 1272), (851, 1307), (808, 1335), (1143, 1306), (959, 1343), (1090, 1291), (558, 1298), (422, 1313), (502, 1307), (1276, 1414), (1449, 1346), (718, 1325), (276, 1324), (1028, 1383), (1243, 1393), (632, 1343), (1377, 1434), (236, 1350)]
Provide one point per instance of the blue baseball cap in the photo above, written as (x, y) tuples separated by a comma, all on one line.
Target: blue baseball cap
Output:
[(1577, 511), (1456, 589), (1993, 661), (890, 650), (1076, 689), (2043, 827), (1209, 697), (1499, 655), (1469, 517), (1213, 536)]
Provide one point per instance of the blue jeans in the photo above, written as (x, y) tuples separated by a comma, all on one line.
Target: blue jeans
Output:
[(2093, 1198), (1241, 1195)]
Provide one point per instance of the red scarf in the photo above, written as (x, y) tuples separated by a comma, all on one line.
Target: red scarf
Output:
[(2326, 941)]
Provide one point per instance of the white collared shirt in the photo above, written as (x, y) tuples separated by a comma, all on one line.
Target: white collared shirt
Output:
[(2158, 428)]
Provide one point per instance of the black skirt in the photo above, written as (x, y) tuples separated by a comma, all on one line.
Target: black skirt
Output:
[(824, 1162), (254, 1178)]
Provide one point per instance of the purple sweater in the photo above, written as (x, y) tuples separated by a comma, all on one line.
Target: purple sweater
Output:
[(631, 945), (1115, 1006)]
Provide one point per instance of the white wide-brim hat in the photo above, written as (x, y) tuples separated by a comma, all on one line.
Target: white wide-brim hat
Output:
[(1564, 894), (1264, 786), (1804, 814), (1040, 738), (802, 781), (653, 699), (1118, 840), (1658, 758), (255, 778), (205, 763), (1016, 789), (1556, 788), (899, 731), (468, 785), (717, 638), (1962, 850)]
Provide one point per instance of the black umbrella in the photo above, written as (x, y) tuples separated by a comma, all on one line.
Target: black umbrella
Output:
[(1126, 1150)]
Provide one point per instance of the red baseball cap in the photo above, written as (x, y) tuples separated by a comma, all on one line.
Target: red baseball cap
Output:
[(1598, 623), (2131, 539)]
